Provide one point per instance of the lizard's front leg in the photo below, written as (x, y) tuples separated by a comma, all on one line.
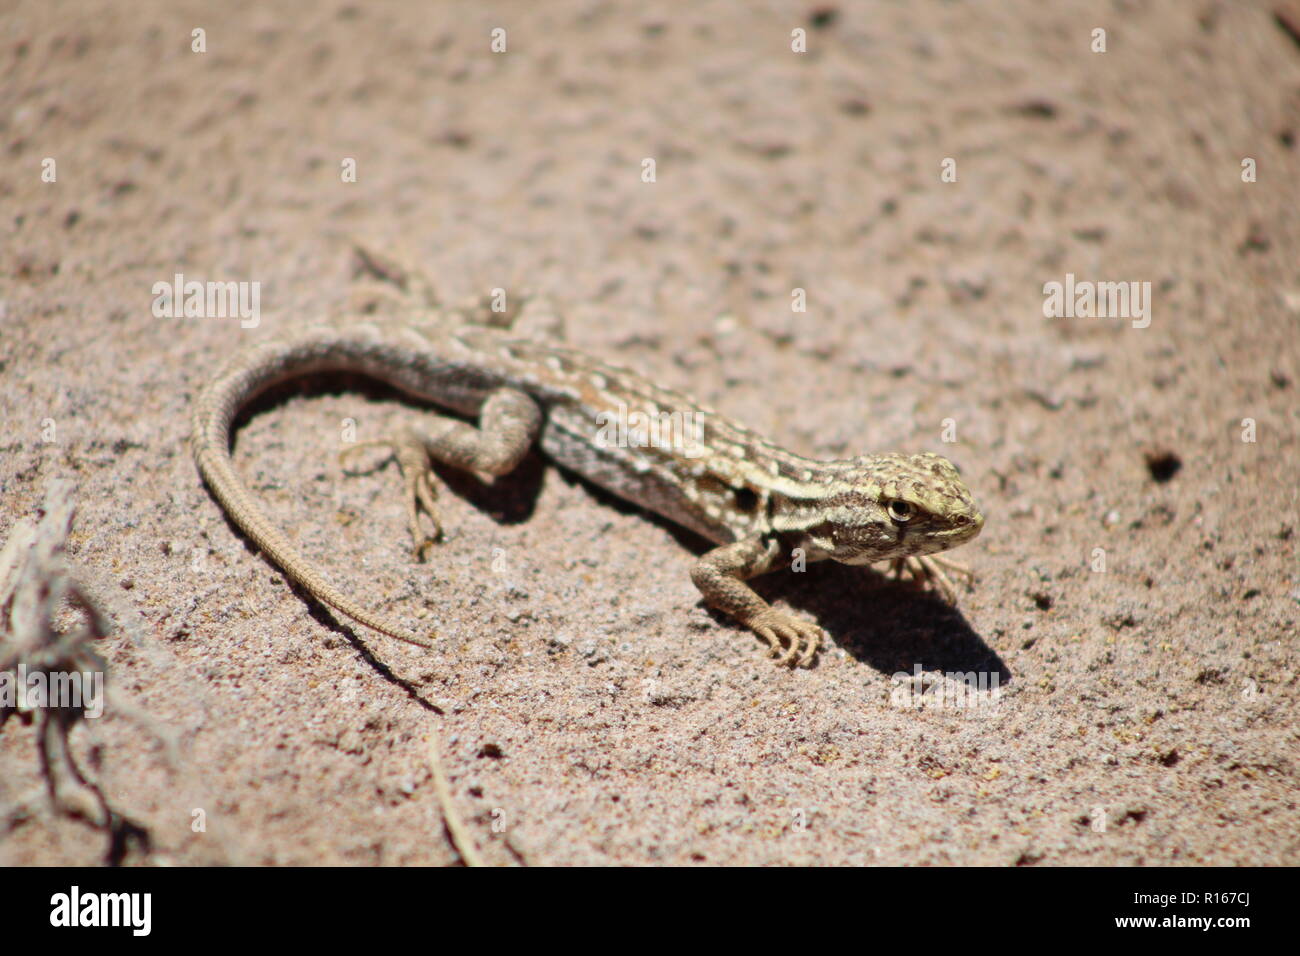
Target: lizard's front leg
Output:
[(508, 425), (928, 571), (720, 575)]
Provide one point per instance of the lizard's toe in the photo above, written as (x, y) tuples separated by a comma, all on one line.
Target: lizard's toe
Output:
[(790, 641), (788, 654), (812, 645), (773, 642)]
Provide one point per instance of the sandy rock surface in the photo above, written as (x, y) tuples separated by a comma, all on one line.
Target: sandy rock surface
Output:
[(1138, 584)]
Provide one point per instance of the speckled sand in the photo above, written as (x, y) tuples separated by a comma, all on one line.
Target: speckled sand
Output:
[(592, 708)]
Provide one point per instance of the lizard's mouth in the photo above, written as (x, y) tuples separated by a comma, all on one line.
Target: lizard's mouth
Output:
[(961, 529)]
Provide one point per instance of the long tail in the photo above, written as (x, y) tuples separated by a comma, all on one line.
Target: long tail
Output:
[(214, 413)]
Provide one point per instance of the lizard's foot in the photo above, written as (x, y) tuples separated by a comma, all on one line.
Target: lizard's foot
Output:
[(928, 571), (418, 474), (395, 272), (392, 279), (789, 640), (520, 311)]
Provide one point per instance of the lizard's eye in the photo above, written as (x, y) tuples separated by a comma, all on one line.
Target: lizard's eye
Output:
[(900, 510)]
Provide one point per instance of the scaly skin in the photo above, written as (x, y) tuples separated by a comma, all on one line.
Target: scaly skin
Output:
[(756, 501)]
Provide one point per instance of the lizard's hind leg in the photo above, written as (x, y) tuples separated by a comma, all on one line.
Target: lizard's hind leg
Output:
[(508, 425)]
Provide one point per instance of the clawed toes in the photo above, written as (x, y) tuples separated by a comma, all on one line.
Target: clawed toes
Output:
[(425, 544), (790, 641), (416, 475), (929, 572), (784, 659)]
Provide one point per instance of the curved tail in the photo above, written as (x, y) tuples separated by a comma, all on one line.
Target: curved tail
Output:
[(214, 412)]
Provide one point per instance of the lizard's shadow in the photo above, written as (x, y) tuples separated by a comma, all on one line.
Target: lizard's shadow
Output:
[(890, 625), (507, 500)]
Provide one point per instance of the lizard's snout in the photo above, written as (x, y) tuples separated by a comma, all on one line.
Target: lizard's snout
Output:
[(966, 526)]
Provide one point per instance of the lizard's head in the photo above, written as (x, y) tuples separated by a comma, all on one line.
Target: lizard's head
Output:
[(893, 506)]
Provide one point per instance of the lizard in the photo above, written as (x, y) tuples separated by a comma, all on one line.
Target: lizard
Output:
[(757, 503)]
